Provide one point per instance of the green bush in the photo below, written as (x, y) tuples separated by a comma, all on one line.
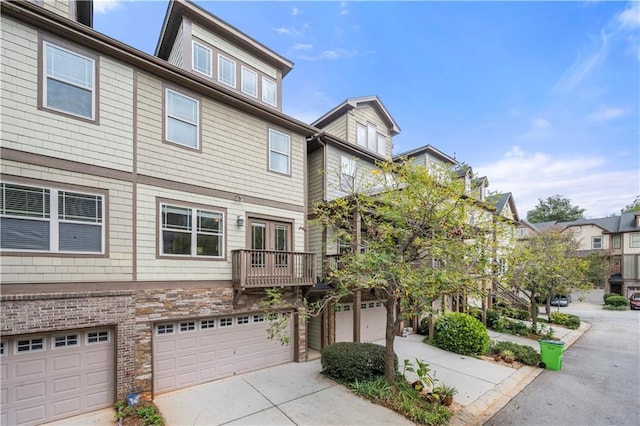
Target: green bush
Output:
[(522, 353), (567, 320), (617, 300), (614, 308), (461, 333), (573, 322), (608, 295), (515, 313), (350, 361), (492, 317)]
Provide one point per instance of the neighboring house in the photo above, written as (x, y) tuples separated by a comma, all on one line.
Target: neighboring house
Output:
[(615, 237), (146, 203), (354, 136)]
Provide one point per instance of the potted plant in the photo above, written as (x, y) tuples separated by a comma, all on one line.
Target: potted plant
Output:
[(445, 394)]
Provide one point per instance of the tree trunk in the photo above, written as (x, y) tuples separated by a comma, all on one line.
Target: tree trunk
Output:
[(390, 335), (532, 313)]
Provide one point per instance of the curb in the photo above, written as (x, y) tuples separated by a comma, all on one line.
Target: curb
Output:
[(481, 410)]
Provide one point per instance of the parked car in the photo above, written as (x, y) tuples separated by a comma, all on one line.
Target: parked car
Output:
[(560, 300), (634, 301)]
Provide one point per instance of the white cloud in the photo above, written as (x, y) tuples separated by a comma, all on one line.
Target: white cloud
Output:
[(302, 46), (105, 6), (583, 65), (282, 30), (588, 181), (295, 11), (630, 17), (343, 8), (541, 123), (606, 114), (331, 54)]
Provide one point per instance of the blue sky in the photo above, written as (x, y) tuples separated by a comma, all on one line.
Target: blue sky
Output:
[(541, 97)]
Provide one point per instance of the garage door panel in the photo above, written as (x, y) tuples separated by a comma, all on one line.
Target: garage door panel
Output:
[(65, 384), (4, 372), (66, 408), (26, 368), (98, 378), (98, 399), (66, 361), (4, 394), (30, 391), (99, 356), (30, 415)]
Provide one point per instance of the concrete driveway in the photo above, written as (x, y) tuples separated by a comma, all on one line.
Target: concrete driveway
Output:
[(289, 394)]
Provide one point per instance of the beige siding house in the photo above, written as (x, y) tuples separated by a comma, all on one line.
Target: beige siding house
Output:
[(147, 201)]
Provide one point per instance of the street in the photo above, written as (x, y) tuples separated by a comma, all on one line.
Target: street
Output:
[(599, 383)]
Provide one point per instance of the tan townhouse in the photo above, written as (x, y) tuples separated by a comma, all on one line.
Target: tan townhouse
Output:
[(147, 201)]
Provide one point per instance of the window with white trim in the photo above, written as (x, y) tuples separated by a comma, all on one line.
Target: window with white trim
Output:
[(68, 82), (634, 240), (191, 232), (97, 337), (3, 348), (182, 119), (65, 341), (347, 173), (596, 243), (244, 319), (382, 144), (346, 308), (29, 345), (361, 135), (368, 137), (201, 59), (269, 92), (51, 220), (279, 152), (164, 329), (363, 306), (249, 83), (372, 137), (207, 324), (187, 326), (372, 304), (226, 322), (226, 71), (258, 318)]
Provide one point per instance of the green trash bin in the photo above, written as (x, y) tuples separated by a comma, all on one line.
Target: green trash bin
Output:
[(551, 353)]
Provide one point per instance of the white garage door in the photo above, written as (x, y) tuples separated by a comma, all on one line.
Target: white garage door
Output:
[(373, 321), (52, 376), (344, 322), (190, 352)]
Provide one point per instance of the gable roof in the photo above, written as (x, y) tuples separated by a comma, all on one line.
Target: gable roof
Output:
[(503, 200), (426, 149), (613, 224), (178, 9), (351, 103)]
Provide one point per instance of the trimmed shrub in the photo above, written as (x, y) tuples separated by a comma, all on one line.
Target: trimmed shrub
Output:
[(617, 300), (522, 353), (614, 308), (461, 333), (567, 320), (350, 361), (573, 322), (608, 295)]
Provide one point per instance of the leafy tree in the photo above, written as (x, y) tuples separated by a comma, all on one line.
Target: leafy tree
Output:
[(633, 207), (556, 208), (546, 264), (599, 268), (420, 244)]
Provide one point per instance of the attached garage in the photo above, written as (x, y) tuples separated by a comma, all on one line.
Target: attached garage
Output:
[(190, 352), (373, 317), (52, 376)]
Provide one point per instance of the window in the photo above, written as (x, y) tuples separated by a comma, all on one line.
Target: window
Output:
[(201, 59), (164, 329), (382, 145), (187, 326), (348, 173), (521, 232), (634, 240), (226, 322), (226, 71), (182, 119), (279, 151), (615, 242), (363, 306), (361, 135), (346, 308), (205, 324), (29, 220), (98, 336), (64, 341), (191, 232), (29, 345), (258, 318), (596, 242), (249, 82), (269, 92), (242, 320), (3, 348), (344, 246), (68, 82), (372, 137)]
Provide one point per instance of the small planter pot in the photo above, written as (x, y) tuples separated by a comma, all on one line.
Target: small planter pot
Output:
[(447, 400)]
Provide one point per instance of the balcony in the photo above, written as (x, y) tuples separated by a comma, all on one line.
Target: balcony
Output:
[(266, 268)]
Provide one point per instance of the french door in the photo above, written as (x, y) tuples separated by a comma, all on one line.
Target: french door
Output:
[(271, 242)]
